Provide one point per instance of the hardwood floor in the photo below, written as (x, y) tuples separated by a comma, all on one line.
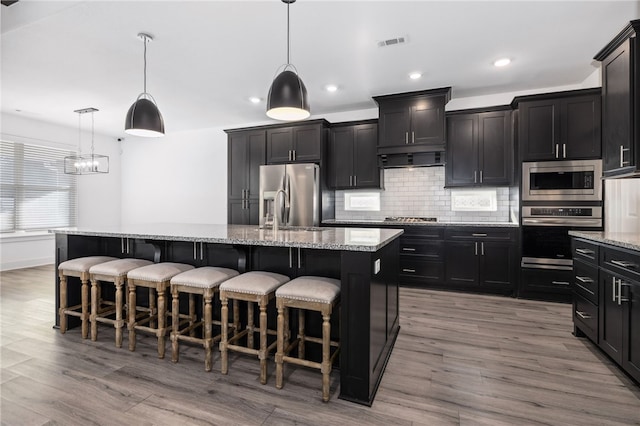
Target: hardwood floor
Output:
[(459, 360)]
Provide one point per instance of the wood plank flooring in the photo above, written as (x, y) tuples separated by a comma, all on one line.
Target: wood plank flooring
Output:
[(459, 360)]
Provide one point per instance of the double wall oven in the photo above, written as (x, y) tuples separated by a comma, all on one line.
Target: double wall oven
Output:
[(557, 196)]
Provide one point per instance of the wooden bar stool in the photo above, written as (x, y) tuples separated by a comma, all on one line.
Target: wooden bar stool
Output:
[(205, 282), (155, 277), (252, 287), (77, 268), (114, 272), (313, 294)]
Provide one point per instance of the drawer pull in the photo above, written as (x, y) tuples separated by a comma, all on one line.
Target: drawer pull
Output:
[(584, 279), (412, 271), (560, 283), (586, 290), (583, 315), (586, 252), (624, 264), (408, 249), (478, 235)]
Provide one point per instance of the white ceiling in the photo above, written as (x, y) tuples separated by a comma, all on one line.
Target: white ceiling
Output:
[(209, 57)]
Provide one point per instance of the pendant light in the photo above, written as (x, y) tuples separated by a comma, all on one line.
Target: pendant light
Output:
[(144, 118), (86, 164), (287, 98)]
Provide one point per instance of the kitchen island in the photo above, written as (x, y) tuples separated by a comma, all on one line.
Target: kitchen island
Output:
[(364, 260)]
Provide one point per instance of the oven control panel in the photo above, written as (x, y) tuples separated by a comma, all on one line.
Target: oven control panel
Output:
[(560, 211)]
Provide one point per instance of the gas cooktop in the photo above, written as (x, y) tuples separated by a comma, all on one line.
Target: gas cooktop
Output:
[(410, 219)]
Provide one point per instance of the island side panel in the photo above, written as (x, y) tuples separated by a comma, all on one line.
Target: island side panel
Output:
[(369, 320)]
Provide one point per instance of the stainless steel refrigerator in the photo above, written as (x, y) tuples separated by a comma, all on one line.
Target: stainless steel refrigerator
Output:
[(291, 191)]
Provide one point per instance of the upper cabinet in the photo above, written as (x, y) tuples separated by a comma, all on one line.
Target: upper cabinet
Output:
[(300, 143), (479, 148), (352, 155), (560, 126), (621, 103), (412, 122)]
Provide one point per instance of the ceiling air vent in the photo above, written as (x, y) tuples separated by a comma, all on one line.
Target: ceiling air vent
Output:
[(392, 41)]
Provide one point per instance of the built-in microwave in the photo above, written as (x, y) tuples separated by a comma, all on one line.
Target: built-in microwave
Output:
[(574, 180)]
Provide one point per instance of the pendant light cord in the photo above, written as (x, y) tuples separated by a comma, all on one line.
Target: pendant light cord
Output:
[(79, 135), (92, 127), (145, 63), (288, 36)]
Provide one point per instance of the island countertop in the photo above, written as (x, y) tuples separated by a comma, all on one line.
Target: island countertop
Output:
[(330, 238), (628, 240)]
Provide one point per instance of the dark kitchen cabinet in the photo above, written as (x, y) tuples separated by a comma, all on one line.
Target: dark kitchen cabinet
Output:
[(621, 102), (560, 126), (412, 122), (546, 284), (611, 317), (353, 161), (246, 153), (586, 288), (422, 256), (481, 259), (479, 148), (303, 143)]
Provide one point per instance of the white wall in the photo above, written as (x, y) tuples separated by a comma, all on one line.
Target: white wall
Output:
[(98, 195), (622, 205)]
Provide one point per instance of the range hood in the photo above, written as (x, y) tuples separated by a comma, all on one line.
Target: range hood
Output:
[(416, 159)]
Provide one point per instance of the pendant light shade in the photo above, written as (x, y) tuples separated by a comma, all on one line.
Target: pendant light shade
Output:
[(288, 100), (144, 118)]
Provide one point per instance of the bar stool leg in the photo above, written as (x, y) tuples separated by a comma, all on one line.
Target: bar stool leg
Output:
[(208, 341), (236, 316), (326, 355), (192, 314), (224, 319), (119, 322), (250, 325), (85, 307), (281, 342), (153, 310), (263, 341), (63, 303), (301, 334), (94, 310), (175, 322), (162, 321), (132, 317)]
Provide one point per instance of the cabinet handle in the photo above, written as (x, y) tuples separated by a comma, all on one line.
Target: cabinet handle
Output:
[(482, 248), (480, 176), (560, 283), (622, 151), (290, 258), (294, 155), (479, 235), (583, 315), (406, 137), (475, 176), (408, 249), (121, 245), (194, 250), (128, 251), (411, 271), (620, 299), (586, 252), (413, 137), (355, 180), (584, 279), (201, 251), (624, 264), (299, 259), (613, 288), (557, 149), (476, 243), (564, 150)]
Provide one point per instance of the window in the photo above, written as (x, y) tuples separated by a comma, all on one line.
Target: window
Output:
[(35, 192)]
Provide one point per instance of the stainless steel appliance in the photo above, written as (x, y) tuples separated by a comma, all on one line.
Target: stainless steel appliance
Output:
[(574, 180), (545, 233), (290, 195)]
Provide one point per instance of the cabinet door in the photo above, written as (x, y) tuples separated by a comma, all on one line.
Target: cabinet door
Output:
[(461, 263), (631, 355), (394, 124), (307, 143), (617, 108), (279, 145), (256, 157), (610, 317), (236, 212), (462, 153), (497, 265), (341, 157), (539, 130), (427, 122), (580, 130), (494, 148), (365, 161), (237, 165)]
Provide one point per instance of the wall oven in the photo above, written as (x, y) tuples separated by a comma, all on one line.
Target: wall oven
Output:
[(574, 180)]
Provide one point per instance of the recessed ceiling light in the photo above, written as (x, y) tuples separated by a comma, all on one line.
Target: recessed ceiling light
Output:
[(331, 88), (255, 100), (502, 62), (415, 75)]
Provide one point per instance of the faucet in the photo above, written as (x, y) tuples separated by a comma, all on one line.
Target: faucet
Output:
[(277, 216)]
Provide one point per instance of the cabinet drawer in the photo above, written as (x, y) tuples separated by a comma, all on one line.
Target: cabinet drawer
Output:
[(585, 317), (624, 262), (493, 234), (425, 271), (585, 280), (423, 232), (426, 249), (585, 250)]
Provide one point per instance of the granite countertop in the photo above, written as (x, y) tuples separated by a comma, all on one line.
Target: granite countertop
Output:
[(349, 239), (628, 240), (386, 223)]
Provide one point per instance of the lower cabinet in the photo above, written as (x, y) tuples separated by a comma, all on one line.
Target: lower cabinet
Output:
[(545, 284), (421, 256)]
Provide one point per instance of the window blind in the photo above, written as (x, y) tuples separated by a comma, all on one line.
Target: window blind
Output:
[(35, 194)]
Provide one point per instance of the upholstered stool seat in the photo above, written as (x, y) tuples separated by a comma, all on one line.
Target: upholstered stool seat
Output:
[(114, 272), (77, 268), (156, 277), (253, 287), (201, 281), (307, 293)]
